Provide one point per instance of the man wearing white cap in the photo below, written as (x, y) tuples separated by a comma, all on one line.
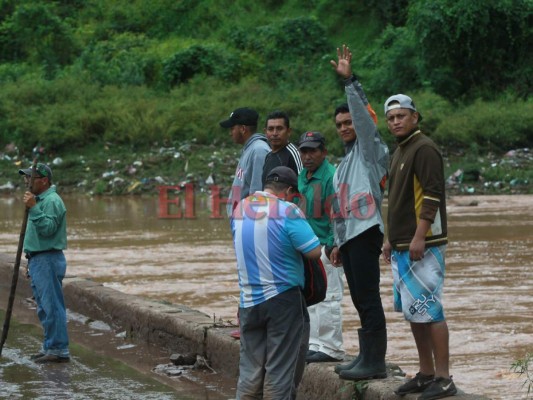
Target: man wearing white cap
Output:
[(416, 246)]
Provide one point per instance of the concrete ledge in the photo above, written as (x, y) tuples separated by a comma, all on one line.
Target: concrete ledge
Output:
[(181, 329)]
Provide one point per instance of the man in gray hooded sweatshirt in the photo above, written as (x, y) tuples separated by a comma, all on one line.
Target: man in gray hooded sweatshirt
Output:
[(242, 124), (357, 221)]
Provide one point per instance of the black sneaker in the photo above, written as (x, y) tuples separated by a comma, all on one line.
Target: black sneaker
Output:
[(51, 358), (416, 385), (439, 388), (36, 356)]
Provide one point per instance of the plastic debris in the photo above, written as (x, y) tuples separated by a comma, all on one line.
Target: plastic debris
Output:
[(7, 186), (109, 174), (134, 186)]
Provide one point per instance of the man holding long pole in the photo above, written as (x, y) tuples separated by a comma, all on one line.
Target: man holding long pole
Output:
[(45, 240)]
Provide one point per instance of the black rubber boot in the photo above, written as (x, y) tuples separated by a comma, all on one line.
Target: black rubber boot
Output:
[(372, 362), (353, 363)]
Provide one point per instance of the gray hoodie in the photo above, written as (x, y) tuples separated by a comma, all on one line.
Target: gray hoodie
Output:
[(359, 181), (248, 175)]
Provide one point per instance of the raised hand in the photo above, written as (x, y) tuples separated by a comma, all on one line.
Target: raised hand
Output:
[(343, 66)]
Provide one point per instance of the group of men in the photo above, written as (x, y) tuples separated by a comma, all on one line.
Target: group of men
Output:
[(337, 218)]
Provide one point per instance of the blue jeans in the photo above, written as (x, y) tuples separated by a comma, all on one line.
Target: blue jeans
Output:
[(47, 271)]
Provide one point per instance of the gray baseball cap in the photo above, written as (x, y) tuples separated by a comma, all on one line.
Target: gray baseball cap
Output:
[(311, 140), (401, 101)]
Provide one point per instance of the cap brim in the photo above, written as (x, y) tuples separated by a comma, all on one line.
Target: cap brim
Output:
[(294, 185), (310, 145), (227, 123), (28, 171)]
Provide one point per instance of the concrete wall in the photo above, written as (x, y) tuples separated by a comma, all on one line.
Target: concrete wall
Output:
[(181, 329)]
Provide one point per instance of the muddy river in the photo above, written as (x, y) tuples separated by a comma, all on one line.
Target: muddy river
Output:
[(126, 245)]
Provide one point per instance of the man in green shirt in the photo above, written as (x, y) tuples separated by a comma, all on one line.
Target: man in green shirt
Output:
[(315, 184), (45, 240)]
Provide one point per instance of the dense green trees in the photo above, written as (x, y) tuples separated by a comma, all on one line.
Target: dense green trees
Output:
[(138, 71), (461, 49)]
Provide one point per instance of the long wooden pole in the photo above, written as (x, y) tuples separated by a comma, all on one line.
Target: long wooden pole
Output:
[(14, 280)]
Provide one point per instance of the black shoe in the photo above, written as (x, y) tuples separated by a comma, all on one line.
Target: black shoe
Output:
[(310, 353), (416, 385), (321, 357), (50, 358), (439, 388), (36, 356)]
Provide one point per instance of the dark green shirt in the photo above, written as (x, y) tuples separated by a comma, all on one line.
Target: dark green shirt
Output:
[(47, 225), (318, 193)]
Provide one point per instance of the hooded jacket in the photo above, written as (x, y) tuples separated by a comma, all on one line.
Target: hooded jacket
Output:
[(361, 176), (248, 175)]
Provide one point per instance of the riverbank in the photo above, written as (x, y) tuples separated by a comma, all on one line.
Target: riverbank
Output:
[(177, 328), (103, 169)]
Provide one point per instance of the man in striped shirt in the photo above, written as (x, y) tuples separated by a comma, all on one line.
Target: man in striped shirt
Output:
[(284, 153), (270, 235)]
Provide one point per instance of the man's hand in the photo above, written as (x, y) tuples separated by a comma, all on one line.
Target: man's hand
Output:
[(417, 246), (387, 250), (416, 249), (335, 257), (29, 199), (343, 66)]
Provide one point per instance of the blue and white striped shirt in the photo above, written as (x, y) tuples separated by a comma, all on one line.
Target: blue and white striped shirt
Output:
[(269, 235)]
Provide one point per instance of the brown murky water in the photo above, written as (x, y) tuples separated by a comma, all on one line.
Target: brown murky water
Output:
[(122, 243)]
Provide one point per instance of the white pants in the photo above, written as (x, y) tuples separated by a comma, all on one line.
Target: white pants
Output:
[(326, 316)]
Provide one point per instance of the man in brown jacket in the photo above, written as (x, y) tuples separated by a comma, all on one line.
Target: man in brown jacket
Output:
[(416, 246)]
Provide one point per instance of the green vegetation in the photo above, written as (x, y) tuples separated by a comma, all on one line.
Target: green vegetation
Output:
[(522, 367), (94, 80)]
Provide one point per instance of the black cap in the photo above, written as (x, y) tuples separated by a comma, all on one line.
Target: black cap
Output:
[(241, 116), (283, 175), (41, 170), (311, 140)]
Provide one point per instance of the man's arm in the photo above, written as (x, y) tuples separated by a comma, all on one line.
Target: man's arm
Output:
[(314, 254), (429, 170), (256, 180), (47, 218), (363, 116), (301, 234), (418, 243)]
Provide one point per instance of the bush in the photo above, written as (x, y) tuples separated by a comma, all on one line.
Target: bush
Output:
[(287, 49), (122, 60), (14, 72), (456, 38), (496, 126), (35, 32), (393, 63), (209, 60)]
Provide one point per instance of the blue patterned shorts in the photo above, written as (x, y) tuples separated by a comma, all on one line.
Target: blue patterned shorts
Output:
[(418, 285)]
